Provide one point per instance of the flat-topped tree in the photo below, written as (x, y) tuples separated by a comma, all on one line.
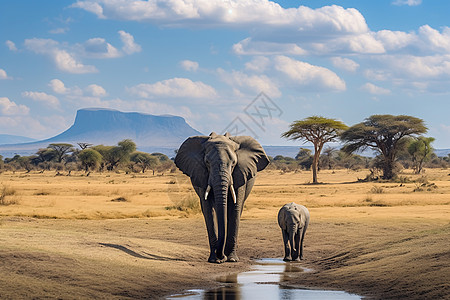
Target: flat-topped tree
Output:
[(61, 149), (386, 134), (317, 130)]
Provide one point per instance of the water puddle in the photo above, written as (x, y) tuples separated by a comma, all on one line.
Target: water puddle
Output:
[(263, 283)]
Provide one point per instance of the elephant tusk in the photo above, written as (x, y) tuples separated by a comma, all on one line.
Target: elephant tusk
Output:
[(233, 194), (207, 191)]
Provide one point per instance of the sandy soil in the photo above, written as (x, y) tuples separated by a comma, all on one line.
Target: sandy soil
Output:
[(65, 238)]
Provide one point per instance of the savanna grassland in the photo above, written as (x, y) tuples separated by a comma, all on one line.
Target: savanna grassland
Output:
[(111, 235)]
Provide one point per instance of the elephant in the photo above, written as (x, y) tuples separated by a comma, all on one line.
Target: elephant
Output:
[(222, 169), (293, 220)]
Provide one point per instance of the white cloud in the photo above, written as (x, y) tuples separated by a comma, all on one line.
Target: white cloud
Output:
[(63, 60), (98, 48), (45, 98), (189, 65), (66, 57), (307, 76), (11, 46), (3, 74), (250, 47), (96, 90), (250, 83), (233, 13), (378, 75), (434, 41), (175, 87), (10, 108), (58, 86), (129, 46), (92, 7), (345, 63), (258, 64), (427, 67), (375, 90), (395, 40), (67, 63), (407, 2)]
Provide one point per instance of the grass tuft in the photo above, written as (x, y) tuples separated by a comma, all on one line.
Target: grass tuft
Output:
[(189, 205), (377, 190)]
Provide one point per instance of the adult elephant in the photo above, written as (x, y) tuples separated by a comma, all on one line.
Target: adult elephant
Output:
[(222, 169)]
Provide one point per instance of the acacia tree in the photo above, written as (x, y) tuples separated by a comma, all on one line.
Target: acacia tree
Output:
[(420, 150), (317, 130), (144, 161), (61, 149), (386, 134)]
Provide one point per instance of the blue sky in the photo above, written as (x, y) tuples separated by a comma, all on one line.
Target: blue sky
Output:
[(209, 60)]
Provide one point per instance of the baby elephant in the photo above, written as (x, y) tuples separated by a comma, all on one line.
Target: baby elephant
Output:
[(293, 220)]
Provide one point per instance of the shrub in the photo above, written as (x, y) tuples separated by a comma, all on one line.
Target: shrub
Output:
[(5, 192)]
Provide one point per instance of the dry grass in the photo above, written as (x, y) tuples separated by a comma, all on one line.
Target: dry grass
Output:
[(362, 234)]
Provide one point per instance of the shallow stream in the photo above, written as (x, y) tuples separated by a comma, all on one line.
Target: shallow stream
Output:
[(263, 282)]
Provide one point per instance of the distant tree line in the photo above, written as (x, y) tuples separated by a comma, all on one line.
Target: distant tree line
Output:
[(87, 158)]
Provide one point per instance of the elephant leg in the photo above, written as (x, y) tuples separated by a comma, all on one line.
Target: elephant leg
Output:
[(301, 241), (287, 249), (234, 217), (234, 212), (208, 214), (298, 250)]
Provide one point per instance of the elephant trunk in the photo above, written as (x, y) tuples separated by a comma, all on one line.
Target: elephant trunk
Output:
[(292, 232), (220, 199)]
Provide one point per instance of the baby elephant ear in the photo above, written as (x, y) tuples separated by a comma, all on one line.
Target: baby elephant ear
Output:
[(251, 159), (189, 160)]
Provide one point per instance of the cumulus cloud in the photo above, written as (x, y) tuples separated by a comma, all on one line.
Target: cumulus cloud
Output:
[(255, 84), (189, 65), (63, 60), (175, 87), (10, 108), (58, 86), (11, 46), (3, 74), (98, 48), (308, 76), (49, 100), (67, 57), (407, 2), (375, 90), (96, 90), (258, 64), (345, 63), (233, 13), (129, 46), (92, 7)]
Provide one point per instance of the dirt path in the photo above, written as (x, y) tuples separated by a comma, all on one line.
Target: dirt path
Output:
[(153, 258)]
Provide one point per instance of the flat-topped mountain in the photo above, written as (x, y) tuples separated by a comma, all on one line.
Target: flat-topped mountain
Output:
[(106, 126)]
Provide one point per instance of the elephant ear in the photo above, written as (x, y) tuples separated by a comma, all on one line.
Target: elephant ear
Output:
[(189, 160), (251, 159)]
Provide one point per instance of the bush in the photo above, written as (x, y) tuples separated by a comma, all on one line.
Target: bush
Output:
[(5, 192)]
